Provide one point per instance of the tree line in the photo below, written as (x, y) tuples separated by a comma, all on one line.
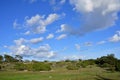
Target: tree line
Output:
[(8, 62)]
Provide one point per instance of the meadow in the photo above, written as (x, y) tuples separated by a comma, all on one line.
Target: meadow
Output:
[(88, 73)]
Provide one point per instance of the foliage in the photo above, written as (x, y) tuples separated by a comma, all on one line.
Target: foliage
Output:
[(37, 66), (72, 67), (1, 58), (18, 58), (117, 66), (9, 62), (20, 66), (40, 66), (9, 58), (85, 63), (109, 62)]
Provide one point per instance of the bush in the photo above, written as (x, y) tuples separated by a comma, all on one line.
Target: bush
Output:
[(72, 67), (20, 66), (39, 66)]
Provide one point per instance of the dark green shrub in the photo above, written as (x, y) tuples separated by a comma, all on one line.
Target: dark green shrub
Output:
[(117, 67)]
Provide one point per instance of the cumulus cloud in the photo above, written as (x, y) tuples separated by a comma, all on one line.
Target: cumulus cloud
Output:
[(20, 41), (96, 14), (38, 23), (50, 36), (22, 50), (62, 36), (43, 51), (115, 37), (26, 41), (63, 28), (36, 40), (77, 46)]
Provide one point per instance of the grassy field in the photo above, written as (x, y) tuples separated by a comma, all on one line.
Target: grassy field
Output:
[(94, 73)]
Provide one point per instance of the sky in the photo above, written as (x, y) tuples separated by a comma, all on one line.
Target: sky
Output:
[(60, 29)]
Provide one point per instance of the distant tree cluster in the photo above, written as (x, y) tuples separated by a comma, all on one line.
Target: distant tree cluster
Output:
[(16, 63), (109, 62), (8, 59), (8, 62)]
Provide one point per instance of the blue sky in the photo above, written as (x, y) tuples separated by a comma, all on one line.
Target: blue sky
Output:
[(60, 29)]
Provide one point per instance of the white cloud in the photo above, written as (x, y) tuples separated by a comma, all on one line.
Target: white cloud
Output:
[(96, 14), (21, 50), (101, 42), (38, 23), (62, 36), (50, 36), (36, 40), (26, 41), (27, 33), (77, 46), (115, 37), (20, 41), (86, 6), (63, 28), (43, 51), (51, 18)]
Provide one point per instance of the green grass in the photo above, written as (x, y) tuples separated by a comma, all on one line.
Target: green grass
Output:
[(94, 73)]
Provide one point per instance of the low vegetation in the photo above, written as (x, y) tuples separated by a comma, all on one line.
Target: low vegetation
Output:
[(103, 68), (8, 62)]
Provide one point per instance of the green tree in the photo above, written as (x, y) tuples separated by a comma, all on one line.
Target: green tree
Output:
[(1, 58), (19, 58), (9, 58), (108, 61)]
